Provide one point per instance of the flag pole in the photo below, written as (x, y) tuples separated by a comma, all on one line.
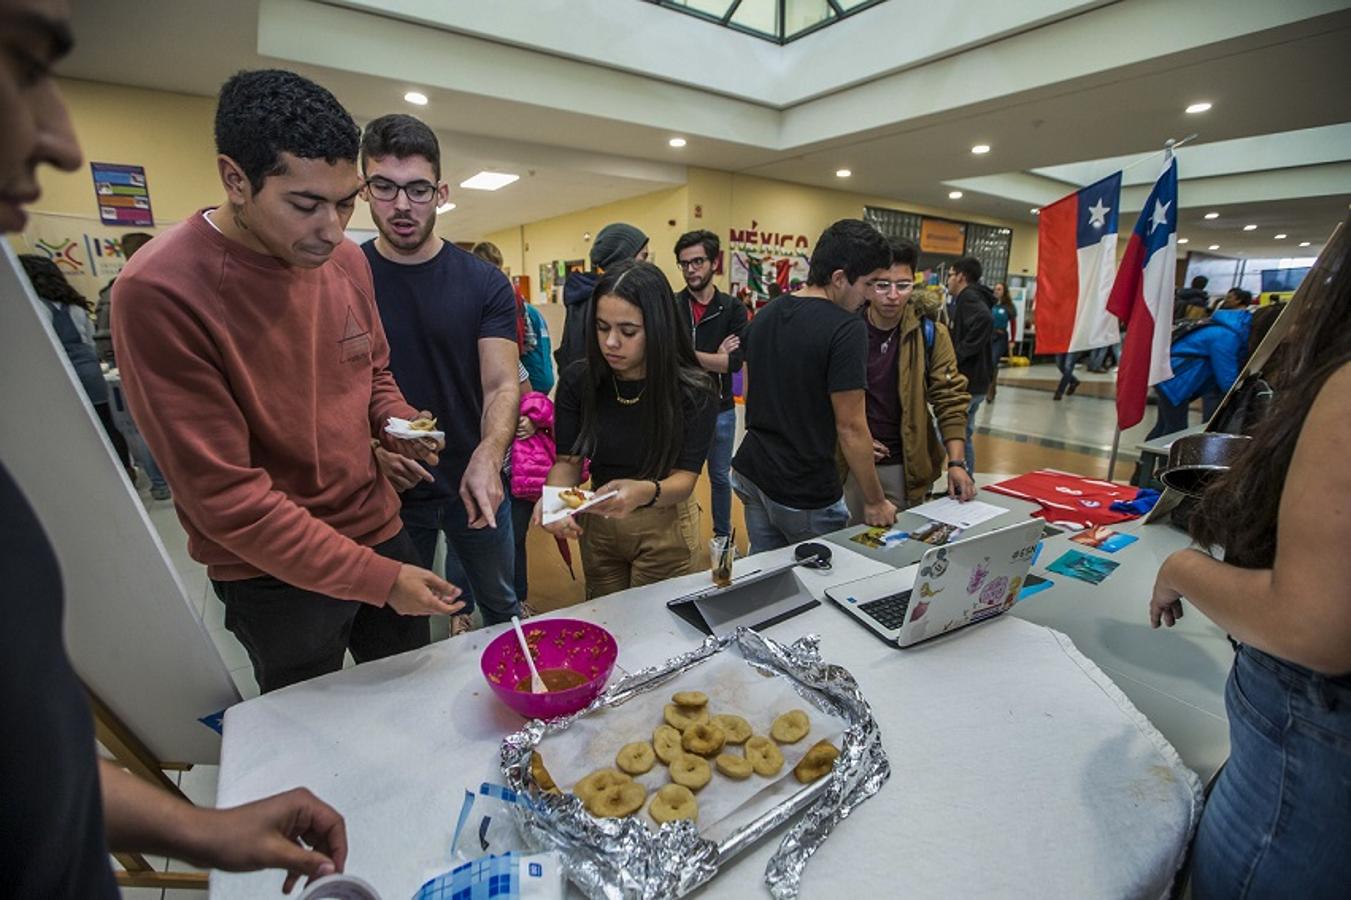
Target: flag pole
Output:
[(1168, 147)]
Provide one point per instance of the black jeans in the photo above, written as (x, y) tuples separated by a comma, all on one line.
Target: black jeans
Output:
[(1171, 418), (521, 511), (292, 634)]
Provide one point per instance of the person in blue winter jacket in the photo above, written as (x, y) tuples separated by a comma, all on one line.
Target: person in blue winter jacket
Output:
[(1207, 360)]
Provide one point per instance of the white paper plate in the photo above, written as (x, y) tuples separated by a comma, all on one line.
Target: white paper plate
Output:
[(556, 509), (399, 428)]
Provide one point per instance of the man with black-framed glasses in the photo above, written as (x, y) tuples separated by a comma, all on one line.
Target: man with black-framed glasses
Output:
[(715, 320), (451, 322)]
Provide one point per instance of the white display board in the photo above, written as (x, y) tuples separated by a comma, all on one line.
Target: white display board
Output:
[(131, 632)]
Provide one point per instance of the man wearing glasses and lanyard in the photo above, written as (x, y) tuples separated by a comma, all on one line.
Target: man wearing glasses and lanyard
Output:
[(911, 368), (450, 319), (715, 320)]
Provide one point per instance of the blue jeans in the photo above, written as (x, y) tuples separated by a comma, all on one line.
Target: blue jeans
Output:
[(719, 470), (480, 561), (772, 525), (1097, 359), (976, 401), (1278, 821)]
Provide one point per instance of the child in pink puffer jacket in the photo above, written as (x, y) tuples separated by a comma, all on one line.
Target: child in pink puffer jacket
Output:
[(532, 455)]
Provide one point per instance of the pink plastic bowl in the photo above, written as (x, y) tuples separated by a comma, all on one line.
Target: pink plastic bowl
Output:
[(558, 644)]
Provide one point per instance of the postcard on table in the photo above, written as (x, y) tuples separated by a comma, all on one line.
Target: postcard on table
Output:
[(1092, 569)]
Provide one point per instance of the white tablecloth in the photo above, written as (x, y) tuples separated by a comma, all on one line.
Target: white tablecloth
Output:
[(1019, 770)]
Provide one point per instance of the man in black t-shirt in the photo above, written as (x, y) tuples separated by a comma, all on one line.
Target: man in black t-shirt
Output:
[(806, 354), (715, 320), (972, 326), (55, 834), (450, 319)]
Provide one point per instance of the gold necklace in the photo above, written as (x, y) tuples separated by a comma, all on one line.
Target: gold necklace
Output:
[(625, 401)]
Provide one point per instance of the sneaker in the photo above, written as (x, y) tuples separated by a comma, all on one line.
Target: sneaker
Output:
[(528, 611), (161, 492), (1074, 386), (461, 624)]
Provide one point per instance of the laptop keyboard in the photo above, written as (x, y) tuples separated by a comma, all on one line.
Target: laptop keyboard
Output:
[(890, 611)]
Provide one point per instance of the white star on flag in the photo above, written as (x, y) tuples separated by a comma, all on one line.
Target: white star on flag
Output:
[(1160, 215), (1098, 214)]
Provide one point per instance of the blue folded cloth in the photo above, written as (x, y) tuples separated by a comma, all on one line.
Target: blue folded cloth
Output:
[(1144, 501)]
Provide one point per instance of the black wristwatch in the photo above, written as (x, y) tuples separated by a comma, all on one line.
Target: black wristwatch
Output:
[(655, 497), (956, 463)]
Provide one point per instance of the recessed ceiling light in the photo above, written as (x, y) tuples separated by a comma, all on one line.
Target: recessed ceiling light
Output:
[(1249, 227), (843, 173), (445, 207), (416, 98), (1214, 246), (1036, 210), (1280, 237), (1212, 215), (980, 148), (954, 195), (488, 181), (1183, 240), (1304, 243), (676, 142), (1198, 107)]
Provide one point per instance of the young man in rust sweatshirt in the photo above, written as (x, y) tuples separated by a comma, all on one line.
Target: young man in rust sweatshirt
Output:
[(255, 365)]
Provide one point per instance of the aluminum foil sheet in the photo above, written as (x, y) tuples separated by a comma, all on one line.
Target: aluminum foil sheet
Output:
[(622, 858)]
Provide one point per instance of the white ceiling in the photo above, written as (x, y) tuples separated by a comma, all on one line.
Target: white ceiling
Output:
[(586, 94)]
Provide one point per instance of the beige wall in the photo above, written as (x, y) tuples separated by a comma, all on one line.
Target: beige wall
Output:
[(171, 136), (564, 237), (729, 201)]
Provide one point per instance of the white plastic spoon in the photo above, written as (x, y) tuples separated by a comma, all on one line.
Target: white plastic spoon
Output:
[(537, 685)]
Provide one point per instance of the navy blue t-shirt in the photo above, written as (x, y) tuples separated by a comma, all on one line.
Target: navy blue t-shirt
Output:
[(434, 315)]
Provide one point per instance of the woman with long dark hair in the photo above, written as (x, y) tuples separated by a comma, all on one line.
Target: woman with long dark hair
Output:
[(1278, 821), (70, 319), (643, 411)]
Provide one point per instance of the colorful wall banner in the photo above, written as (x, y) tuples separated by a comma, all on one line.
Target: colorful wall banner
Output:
[(122, 195)]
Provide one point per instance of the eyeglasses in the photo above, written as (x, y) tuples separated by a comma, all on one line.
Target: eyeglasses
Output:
[(416, 191), (882, 288), (697, 263)]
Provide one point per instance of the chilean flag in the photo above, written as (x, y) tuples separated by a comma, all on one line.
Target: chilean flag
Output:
[(1076, 261), (1142, 298)]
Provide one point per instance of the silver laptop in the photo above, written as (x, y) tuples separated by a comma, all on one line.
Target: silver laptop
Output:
[(952, 586)]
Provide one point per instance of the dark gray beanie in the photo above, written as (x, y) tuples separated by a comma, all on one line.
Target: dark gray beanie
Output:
[(615, 243)]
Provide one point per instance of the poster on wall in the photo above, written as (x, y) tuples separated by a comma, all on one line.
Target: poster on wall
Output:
[(87, 252), (122, 195)]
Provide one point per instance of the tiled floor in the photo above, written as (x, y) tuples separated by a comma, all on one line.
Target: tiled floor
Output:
[(1022, 429)]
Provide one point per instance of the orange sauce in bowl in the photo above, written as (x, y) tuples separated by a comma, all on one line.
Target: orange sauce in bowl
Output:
[(554, 680)]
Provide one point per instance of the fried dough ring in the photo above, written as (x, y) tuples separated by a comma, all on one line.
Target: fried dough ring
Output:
[(692, 699), (817, 763), (734, 728), (680, 718), (617, 800), (675, 801), (764, 755), (666, 743), (691, 771), (543, 779), (635, 758), (598, 781), (733, 766), (790, 727), (706, 739)]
